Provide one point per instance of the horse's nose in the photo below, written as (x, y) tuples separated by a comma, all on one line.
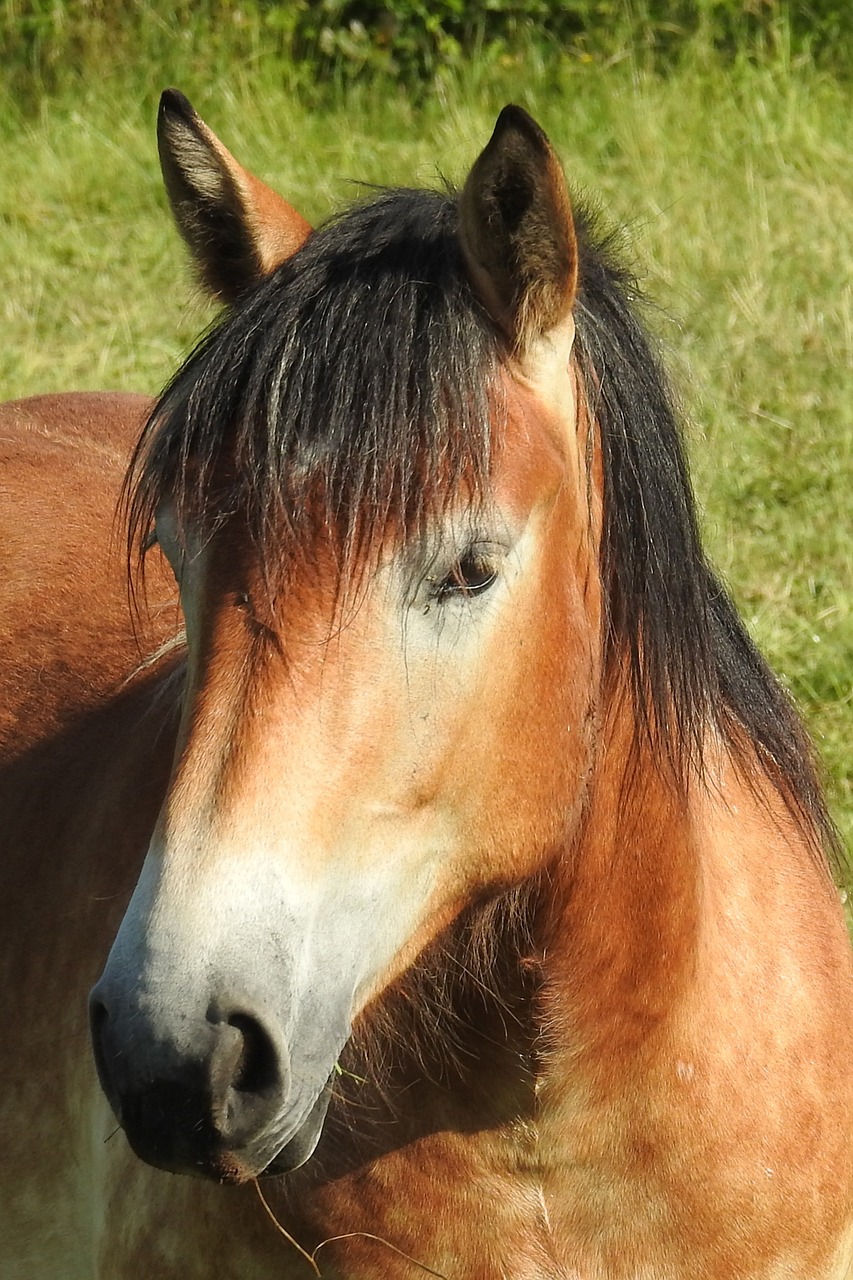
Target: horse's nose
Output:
[(203, 1106)]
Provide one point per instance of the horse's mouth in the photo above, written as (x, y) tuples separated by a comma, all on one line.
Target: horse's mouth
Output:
[(198, 1152), (243, 1166), (299, 1148)]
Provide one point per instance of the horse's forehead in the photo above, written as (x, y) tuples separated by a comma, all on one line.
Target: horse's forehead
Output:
[(322, 561)]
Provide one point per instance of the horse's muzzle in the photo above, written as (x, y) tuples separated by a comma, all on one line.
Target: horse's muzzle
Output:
[(221, 1105)]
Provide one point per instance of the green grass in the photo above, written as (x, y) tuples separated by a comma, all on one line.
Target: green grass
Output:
[(734, 185)]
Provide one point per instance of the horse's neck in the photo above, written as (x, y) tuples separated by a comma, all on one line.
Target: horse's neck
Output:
[(696, 974), (644, 1093), (672, 890), (620, 940)]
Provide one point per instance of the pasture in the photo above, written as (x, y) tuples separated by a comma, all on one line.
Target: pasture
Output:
[(733, 188)]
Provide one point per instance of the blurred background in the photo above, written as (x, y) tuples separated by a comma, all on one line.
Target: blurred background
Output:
[(715, 136)]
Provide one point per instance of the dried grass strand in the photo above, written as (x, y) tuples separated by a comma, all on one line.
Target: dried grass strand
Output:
[(311, 1258)]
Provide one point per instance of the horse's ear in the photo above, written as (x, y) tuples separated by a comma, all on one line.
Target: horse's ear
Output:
[(237, 229), (517, 232)]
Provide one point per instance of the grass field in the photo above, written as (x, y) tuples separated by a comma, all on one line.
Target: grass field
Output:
[(735, 188)]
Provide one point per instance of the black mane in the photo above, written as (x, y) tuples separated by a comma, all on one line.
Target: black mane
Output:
[(360, 368), (364, 366)]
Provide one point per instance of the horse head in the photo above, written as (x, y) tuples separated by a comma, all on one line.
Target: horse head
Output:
[(377, 484)]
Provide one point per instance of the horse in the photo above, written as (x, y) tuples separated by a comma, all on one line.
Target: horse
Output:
[(450, 873)]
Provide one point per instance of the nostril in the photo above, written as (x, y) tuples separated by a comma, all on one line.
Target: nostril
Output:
[(98, 1018), (247, 1076), (257, 1069), (97, 1015)]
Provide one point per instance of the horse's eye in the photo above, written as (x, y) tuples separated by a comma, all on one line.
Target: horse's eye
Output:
[(471, 575)]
